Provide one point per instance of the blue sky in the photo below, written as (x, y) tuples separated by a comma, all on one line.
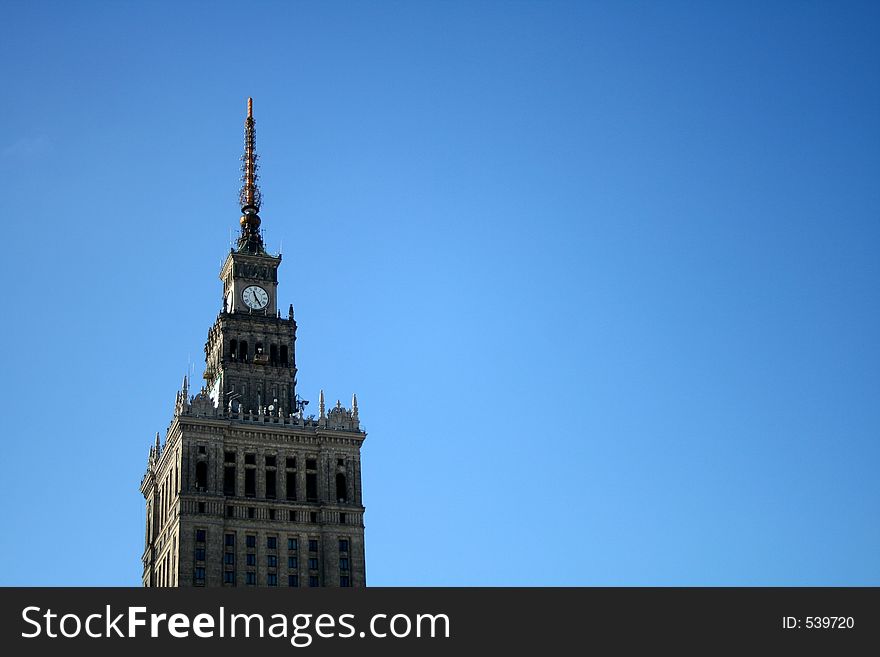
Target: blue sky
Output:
[(603, 275)]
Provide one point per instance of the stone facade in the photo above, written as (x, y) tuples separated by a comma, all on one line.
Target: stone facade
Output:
[(247, 490)]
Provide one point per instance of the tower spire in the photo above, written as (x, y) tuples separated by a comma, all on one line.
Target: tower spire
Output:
[(250, 240)]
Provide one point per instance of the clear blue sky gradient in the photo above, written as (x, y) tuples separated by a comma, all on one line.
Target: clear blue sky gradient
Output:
[(603, 275)]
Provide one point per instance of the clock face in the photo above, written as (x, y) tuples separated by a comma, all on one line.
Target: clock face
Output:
[(255, 297)]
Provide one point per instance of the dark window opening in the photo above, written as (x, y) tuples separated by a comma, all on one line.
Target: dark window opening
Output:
[(311, 464), (229, 558), (270, 461), (291, 462), (233, 349), (250, 579), (251, 541), (313, 545), (341, 518), (272, 579), (273, 354), (291, 562), (291, 485), (341, 488), (251, 512), (291, 516), (250, 482), (313, 516), (343, 545), (201, 507), (203, 449), (313, 580), (251, 559), (271, 514), (250, 459), (229, 457), (200, 535), (229, 480), (313, 563), (229, 577), (230, 539), (202, 475), (271, 542), (230, 511), (291, 544), (200, 554), (311, 487), (343, 564), (292, 580), (271, 561), (284, 354), (344, 581), (270, 484), (200, 575), (243, 350)]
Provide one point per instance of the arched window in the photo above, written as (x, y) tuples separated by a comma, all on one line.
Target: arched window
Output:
[(273, 354), (233, 349), (202, 475), (341, 488), (242, 350)]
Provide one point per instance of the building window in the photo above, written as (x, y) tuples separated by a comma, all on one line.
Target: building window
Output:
[(341, 518), (229, 558), (229, 457), (292, 544), (313, 516), (272, 561), (270, 461), (250, 578), (270, 484), (200, 554), (291, 562), (313, 563), (230, 539), (291, 485), (291, 462), (271, 514), (291, 516), (313, 545), (251, 541), (313, 580), (251, 559), (251, 512), (202, 449), (201, 507), (250, 459), (343, 545), (202, 475), (272, 579), (344, 581), (229, 577), (200, 535), (250, 482), (230, 511), (341, 488), (343, 563), (229, 480), (200, 576), (292, 580), (272, 542)]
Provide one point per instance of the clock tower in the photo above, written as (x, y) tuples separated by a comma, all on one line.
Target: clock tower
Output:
[(247, 490)]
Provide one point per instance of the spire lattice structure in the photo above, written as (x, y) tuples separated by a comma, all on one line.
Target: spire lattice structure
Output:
[(250, 197)]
